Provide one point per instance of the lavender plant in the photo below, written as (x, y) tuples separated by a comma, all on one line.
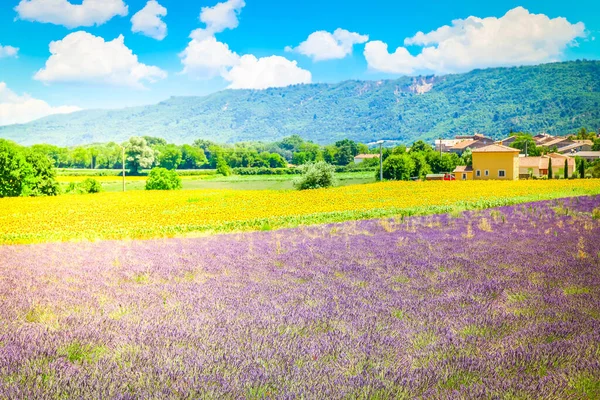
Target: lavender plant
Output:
[(503, 303)]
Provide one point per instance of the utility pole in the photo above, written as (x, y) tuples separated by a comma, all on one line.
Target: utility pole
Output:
[(380, 143), (526, 148), (440, 146), (123, 163)]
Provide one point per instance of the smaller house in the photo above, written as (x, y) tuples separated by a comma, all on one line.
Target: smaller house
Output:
[(444, 145), (558, 163), (578, 145), (538, 166), (362, 157), (463, 173), (558, 142), (589, 156), (532, 166), (476, 141)]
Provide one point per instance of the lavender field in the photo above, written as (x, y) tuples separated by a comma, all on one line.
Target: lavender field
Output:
[(502, 303)]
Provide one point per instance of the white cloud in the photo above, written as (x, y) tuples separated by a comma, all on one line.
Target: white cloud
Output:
[(148, 21), (8, 51), (322, 45), (62, 12), (517, 38), (207, 58), (266, 72), (222, 16), (15, 109), (83, 57)]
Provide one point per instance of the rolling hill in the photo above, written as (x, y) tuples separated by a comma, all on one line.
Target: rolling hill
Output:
[(556, 98)]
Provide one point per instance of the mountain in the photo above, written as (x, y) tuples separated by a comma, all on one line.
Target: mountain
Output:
[(555, 98)]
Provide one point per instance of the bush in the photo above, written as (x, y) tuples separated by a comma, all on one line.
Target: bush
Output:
[(90, 186), (87, 186), (163, 179), (315, 176)]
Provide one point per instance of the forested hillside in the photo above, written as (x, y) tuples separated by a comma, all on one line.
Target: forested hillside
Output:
[(556, 98)]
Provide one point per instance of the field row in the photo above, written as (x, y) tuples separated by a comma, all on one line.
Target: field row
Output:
[(492, 304), (144, 215)]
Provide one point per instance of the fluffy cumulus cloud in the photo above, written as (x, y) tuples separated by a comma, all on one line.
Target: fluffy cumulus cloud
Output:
[(265, 72), (322, 45), (206, 57), (8, 51), (15, 109), (148, 21), (83, 57), (517, 38), (222, 16), (63, 12)]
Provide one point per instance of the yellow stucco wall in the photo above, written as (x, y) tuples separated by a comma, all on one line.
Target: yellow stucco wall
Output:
[(493, 162), (459, 176)]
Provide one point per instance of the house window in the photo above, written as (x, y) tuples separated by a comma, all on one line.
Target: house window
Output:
[(478, 173), (464, 177), (487, 172), (501, 173)]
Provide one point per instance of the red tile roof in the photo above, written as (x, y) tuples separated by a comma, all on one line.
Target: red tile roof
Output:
[(496, 148)]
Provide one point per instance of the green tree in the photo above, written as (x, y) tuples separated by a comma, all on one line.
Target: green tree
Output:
[(420, 145), (276, 161), (422, 168), (398, 167), (42, 181), (315, 175), (222, 166), (329, 154), (15, 171), (300, 158), (139, 154), (291, 143), (24, 172), (363, 148), (163, 179), (192, 157), (169, 156), (523, 141), (346, 150), (154, 141), (566, 171), (467, 158), (59, 155), (81, 157), (549, 168), (581, 166), (596, 146)]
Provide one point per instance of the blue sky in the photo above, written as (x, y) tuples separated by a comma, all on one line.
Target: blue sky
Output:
[(236, 42)]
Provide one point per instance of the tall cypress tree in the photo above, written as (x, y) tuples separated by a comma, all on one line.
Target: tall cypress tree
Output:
[(582, 168), (566, 169), (549, 168)]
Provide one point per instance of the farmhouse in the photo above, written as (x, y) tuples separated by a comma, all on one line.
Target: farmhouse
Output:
[(491, 162), (496, 162), (362, 157)]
